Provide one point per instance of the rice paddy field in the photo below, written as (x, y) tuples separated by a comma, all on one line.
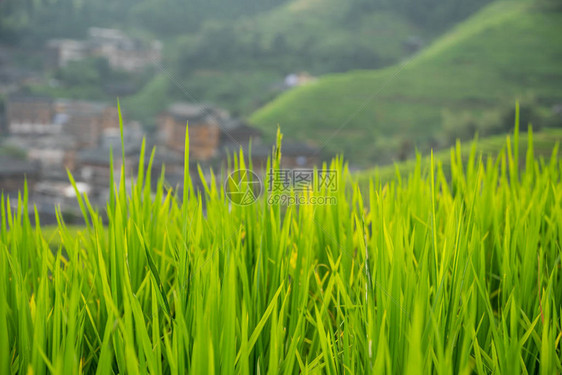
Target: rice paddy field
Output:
[(452, 270)]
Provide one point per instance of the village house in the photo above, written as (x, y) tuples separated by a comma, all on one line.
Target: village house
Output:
[(31, 116), (133, 134), (61, 52), (93, 164), (235, 132), (214, 136), (59, 193), (14, 173), (298, 155), (295, 80), (70, 134), (204, 130), (211, 131), (12, 74), (94, 169), (86, 121), (121, 51), (51, 152), (51, 132), (78, 135)]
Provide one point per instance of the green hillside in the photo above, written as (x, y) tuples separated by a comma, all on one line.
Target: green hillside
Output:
[(545, 143), (234, 54), (240, 64), (467, 80)]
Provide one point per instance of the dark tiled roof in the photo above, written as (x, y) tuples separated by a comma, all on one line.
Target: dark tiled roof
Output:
[(101, 155), (236, 126), (188, 111), (19, 98), (163, 156), (231, 124), (76, 108), (10, 167)]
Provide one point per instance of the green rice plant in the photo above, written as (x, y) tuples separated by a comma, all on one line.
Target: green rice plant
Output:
[(423, 274)]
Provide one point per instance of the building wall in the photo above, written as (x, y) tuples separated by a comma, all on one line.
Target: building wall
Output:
[(47, 157), (99, 175), (17, 182), (110, 119), (71, 52), (52, 157), (121, 51), (132, 61), (69, 160), (88, 128), (30, 117), (204, 138), (85, 129), (63, 51)]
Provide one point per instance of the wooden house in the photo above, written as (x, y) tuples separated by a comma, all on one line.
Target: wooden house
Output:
[(204, 130), (86, 121), (30, 116), (14, 173)]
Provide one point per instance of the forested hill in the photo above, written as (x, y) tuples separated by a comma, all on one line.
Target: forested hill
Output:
[(235, 53), (467, 81), (314, 35), (43, 19)]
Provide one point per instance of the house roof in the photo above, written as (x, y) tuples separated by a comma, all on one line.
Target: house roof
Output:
[(231, 124), (69, 43), (163, 156), (44, 142), (81, 107), (237, 125), (187, 110), (18, 98), (99, 32), (101, 155), (12, 167)]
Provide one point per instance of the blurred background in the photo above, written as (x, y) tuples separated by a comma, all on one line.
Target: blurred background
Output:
[(372, 80)]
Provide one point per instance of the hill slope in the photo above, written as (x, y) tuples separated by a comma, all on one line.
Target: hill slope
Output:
[(508, 51), (545, 143)]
